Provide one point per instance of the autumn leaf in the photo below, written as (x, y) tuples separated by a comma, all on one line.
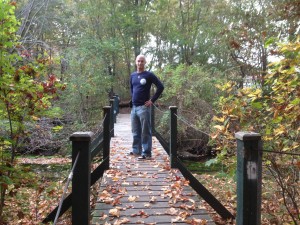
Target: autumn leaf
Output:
[(196, 222), (171, 211), (219, 119), (132, 198), (116, 201), (114, 212), (152, 199), (121, 221), (103, 217), (219, 127), (147, 205)]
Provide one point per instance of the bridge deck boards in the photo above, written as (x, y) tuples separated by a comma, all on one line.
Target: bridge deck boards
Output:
[(144, 192)]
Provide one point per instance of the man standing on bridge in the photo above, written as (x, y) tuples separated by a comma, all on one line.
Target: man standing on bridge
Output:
[(140, 83)]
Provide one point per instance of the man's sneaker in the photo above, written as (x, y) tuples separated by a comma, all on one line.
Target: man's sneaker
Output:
[(133, 154), (143, 157)]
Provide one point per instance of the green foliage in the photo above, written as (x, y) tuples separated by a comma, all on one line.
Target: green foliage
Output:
[(186, 86), (284, 98), (274, 112), (192, 89), (26, 93)]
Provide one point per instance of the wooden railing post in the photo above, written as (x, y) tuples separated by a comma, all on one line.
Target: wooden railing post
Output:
[(112, 117), (153, 120), (173, 136), (81, 177), (116, 107), (106, 134), (249, 178)]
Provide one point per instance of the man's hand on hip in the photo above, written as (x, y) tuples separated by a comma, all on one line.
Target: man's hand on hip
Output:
[(148, 103)]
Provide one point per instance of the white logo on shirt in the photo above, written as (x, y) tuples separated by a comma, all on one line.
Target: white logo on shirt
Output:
[(143, 81)]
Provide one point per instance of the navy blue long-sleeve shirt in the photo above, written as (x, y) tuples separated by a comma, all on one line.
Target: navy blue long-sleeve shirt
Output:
[(140, 84)]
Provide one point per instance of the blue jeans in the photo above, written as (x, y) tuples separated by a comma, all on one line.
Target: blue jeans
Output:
[(141, 130)]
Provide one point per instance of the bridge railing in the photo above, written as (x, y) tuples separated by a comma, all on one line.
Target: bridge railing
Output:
[(249, 172), (85, 146), (171, 148)]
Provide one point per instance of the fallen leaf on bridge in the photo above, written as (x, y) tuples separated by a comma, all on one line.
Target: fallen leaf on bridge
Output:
[(184, 215), (117, 201), (196, 222), (103, 217), (147, 205), (187, 207), (114, 212), (141, 214), (172, 211), (132, 198), (121, 221), (152, 199)]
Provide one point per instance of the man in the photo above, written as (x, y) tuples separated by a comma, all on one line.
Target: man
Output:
[(140, 83)]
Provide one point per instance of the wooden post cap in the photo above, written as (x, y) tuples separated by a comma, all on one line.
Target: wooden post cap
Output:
[(247, 136), (81, 136)]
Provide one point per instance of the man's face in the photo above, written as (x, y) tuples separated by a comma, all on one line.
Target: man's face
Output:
[(140, 63)]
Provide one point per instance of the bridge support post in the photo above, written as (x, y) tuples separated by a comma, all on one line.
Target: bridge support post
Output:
[(81, 177), (112, 117), (106, 134), (116, 107), (249, 178), (173, 136)]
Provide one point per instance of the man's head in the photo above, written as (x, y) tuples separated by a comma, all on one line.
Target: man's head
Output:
[(140, 63)]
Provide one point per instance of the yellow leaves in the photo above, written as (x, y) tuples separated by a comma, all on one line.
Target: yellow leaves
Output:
[(35, 118), (295, 145), (228, 87), (255, 95), (219, 119), (57, 128), (280, 130), (219, 127), (274, 112)]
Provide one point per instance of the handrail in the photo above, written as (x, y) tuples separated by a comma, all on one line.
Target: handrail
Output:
[(83, 178), (249, 173), (176, 163), (65, 189)]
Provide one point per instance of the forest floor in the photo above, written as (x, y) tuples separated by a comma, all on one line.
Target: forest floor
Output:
[(30, 202)]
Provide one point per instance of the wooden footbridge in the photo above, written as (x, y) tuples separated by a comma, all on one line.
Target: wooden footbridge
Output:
[(156, 191), (144, 192)]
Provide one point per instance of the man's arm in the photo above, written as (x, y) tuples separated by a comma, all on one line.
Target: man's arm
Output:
[(159, 89)]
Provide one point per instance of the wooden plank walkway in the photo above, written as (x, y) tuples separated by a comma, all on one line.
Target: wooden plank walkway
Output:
[(144, 192)]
